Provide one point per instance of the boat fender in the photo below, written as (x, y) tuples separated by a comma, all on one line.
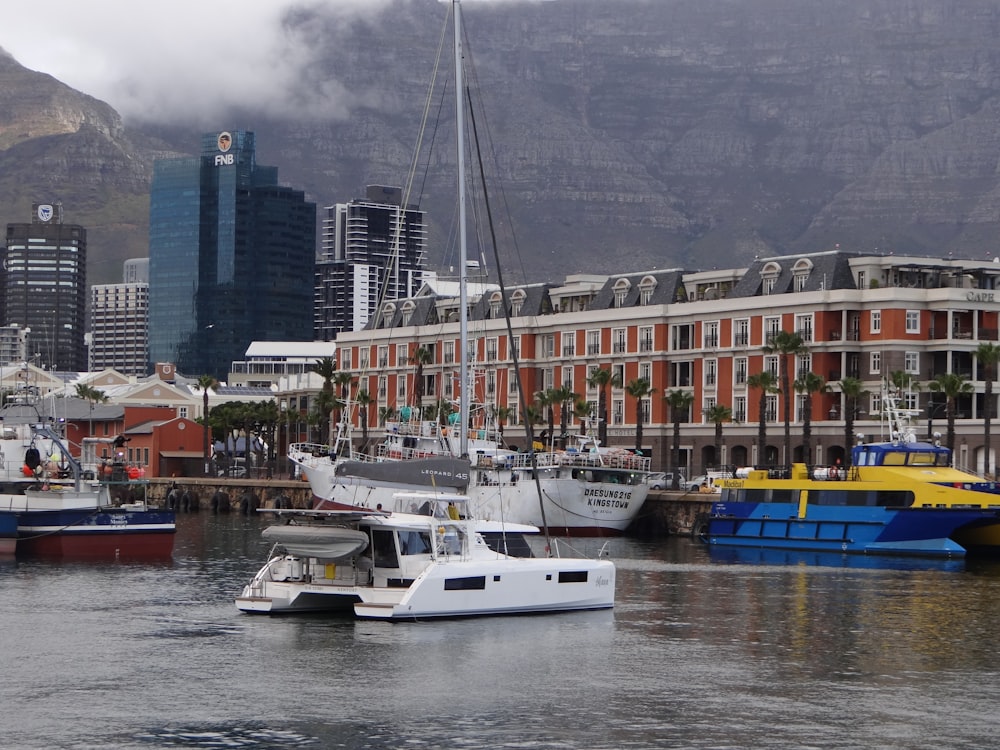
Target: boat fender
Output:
[(834, 472), (32, 458)]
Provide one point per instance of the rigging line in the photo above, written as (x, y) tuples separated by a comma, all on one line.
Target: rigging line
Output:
[(393, 266), (529, 428), (494, 161)]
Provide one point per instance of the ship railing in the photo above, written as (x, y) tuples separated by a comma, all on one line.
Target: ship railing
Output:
[(316, 450), (418, 428), (397, 452)]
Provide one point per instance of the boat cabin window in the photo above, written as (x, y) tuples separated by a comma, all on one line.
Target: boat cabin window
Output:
[(414, 543), (384, 548), (449, 540)]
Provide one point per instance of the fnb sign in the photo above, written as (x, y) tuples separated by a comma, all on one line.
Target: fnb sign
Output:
[(223, 159)]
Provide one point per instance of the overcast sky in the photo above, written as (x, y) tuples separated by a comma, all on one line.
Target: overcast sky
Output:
[(176, 58)]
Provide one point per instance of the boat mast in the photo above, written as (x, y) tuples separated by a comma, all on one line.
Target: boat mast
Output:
[(463, 403)]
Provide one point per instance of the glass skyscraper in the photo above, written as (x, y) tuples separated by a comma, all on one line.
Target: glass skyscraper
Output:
[(231, 257)]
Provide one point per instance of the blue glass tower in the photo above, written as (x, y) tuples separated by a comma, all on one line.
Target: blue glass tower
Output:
[(231, 257)]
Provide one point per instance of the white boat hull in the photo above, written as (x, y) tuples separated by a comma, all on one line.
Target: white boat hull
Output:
[(510, 586), (572, 507)]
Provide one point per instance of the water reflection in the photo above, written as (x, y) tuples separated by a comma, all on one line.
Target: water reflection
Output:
[(699, 652)]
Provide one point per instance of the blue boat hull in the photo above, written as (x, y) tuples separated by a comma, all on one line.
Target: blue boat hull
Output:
[(853, 529)]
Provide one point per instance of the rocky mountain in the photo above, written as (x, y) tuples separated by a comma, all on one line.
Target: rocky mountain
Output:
[(630, 134)]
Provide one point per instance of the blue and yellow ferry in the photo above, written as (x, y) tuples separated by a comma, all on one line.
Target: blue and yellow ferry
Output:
[(900, 497)]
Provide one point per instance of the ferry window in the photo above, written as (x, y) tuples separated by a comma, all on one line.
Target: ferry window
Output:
[(755, 496), (942, 459), (894, 499), (894, 458), (784, 496), (828, 497), (859, 498), (921, 459)]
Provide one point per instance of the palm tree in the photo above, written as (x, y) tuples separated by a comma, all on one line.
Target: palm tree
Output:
[(767, 384), (679, 402), (639, 389), (547, 401), (582, 409), (807, 384), (988, 356), (786, 344), (385, 413), (421, 356), (364, 399), (326, 368), (563, 396), (853, 389), (718, 414), (603, 379), (952, 385), (206, 383)]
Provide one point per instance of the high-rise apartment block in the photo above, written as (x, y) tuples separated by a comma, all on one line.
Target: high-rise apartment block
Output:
[(119, 315), (231, 257), (43, 286), (373, 251)]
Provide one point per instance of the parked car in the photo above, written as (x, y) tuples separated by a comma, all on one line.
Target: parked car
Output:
[(664, 480), (708, 479)]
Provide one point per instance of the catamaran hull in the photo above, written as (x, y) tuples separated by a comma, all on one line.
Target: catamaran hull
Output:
[(855, 529), (106, 534)]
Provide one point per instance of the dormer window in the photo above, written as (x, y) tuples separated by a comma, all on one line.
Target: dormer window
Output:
[(496, 305), (769, 277), (800, 271), (646, 288), (388, 311), (622, 287), (408, 308), (517, 302)]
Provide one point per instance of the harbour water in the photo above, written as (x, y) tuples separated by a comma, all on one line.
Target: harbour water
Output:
[(699, 652)]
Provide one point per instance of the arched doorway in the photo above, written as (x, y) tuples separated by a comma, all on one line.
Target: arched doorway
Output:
[(740, 455)]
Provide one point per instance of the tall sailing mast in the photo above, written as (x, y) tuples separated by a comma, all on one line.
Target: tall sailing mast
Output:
[(463, 298)]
